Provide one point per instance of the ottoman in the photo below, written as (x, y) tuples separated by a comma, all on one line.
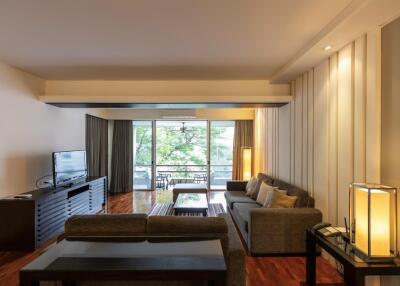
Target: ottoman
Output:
[(188, 189)]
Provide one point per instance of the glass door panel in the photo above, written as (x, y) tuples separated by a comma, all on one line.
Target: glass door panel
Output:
[(142, 155), (171, 152), (181, 153), (221, 153)]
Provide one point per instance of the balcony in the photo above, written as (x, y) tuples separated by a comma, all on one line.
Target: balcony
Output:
[(167, 153), (169, 175)]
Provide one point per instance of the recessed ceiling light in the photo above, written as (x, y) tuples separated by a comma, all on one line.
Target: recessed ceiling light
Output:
[(327, 48)]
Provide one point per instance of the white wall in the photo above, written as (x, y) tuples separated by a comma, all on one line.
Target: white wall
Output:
[(31, 130), (318, 141), (390, 104), (390, 112), (332, 135)]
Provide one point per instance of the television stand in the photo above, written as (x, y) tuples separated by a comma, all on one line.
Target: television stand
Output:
[(28, 223)]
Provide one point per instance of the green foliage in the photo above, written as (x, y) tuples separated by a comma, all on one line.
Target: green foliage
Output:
[(221, 145), (175, 147), (143, 145)]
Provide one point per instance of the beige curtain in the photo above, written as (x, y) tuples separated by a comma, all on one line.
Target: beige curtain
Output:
[(122, 157), (96, 146), (260, 141), (243, 138)]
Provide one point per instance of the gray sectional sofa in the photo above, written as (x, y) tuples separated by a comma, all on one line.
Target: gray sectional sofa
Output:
[(272, 230)]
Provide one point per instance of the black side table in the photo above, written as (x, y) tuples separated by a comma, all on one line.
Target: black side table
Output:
[(355, 269)]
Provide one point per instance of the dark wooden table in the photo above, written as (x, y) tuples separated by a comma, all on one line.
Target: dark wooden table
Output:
[(354, 268), (71, 261)]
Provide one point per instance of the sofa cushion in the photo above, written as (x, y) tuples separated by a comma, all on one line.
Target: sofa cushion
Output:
[(251, 186), (106, 225), (232, 197), (186, 224), (265, 178), (236, 185), (263, 192), (281, 200), (270, 194), (241, 211), (303, 199)]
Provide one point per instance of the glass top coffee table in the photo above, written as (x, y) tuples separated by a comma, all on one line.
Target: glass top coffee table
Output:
[(191, 203), (152, 259)]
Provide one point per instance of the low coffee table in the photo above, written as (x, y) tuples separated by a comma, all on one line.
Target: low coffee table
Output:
[(72, 261), (191, 203)]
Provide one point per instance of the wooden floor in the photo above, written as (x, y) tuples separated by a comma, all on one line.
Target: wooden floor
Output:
[(272, 271)]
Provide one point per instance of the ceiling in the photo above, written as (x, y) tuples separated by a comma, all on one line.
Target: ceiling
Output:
[(159, 39)]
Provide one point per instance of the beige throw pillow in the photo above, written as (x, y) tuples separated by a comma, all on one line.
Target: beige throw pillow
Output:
[(256, 189), (263, 192), (281, 200), (251, 186), (270, 194)]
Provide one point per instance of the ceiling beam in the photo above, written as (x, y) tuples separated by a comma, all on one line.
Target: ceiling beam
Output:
[(165, 94)]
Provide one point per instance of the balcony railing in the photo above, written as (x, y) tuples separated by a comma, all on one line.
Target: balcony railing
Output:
[(169, 175)]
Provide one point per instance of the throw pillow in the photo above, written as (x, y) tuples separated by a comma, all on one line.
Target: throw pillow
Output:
[(280, 200), (270, 193), (251, 185), (256, 189), (262, 194)]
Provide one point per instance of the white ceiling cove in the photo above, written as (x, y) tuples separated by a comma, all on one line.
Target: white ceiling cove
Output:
[(159, 39)]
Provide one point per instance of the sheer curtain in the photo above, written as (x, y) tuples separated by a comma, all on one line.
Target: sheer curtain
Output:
[(243, 137), (260, 140), (96, 146), (122, 157)]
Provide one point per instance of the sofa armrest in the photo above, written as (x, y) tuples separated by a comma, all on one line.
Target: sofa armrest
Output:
[(236, 185), (280, 230), (236, 256)]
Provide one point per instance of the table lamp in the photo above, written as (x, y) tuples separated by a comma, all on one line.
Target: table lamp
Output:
[(373, 221), (246, 163)]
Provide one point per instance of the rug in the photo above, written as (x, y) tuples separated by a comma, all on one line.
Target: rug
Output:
[(168, 210)]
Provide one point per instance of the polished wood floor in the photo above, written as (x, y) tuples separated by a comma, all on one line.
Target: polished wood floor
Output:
[(279, 271)]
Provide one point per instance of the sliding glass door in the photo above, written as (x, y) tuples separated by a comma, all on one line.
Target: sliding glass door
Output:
[(167, 153), (181, 153), (221, 153), (143, 155)]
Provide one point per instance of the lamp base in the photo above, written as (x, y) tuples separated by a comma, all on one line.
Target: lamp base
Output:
[(374, 259)]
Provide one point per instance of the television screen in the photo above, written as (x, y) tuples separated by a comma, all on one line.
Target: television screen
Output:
[(68, 166)]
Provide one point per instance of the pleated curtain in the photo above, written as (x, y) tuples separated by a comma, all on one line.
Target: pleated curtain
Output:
[(96, 146), (260, 141), (243, 137), (122, 157)]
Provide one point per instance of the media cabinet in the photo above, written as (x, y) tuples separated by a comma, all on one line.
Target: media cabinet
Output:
[(28, 223)]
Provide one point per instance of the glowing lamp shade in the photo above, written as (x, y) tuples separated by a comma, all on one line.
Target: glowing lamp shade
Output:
[(246, 163), (373, 217)]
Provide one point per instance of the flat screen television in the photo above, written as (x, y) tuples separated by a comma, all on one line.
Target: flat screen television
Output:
[(68, 167)]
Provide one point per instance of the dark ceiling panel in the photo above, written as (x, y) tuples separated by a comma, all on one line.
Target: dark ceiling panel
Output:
[(163, 105)]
